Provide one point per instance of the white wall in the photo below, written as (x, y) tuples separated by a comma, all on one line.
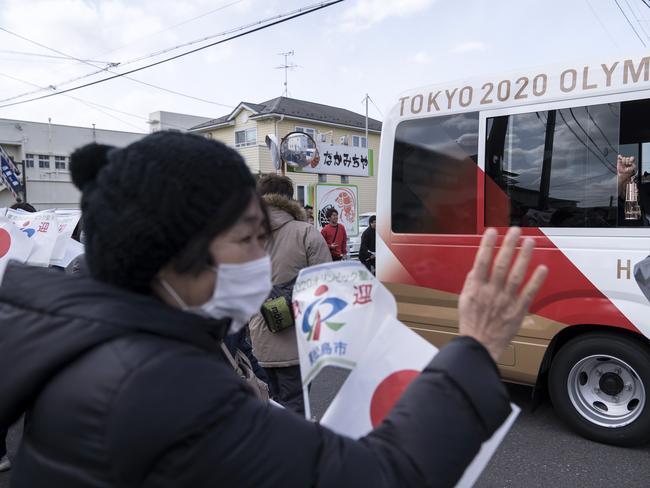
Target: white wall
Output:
[(51, 187), (174, 121)]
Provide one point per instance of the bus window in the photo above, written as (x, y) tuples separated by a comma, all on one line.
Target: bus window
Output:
[(558, 168), (635, 141), (434, 175), (555, 168)]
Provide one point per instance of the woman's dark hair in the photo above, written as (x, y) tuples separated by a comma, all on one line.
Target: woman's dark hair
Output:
[(330, 212), (373, 218), (196, 255)]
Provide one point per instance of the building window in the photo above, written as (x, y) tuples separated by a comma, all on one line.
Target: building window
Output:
[(301, 194), (307, 130), (322, 178), (246, 137), (29, 160), (434, 175), (43, 161), (59, 162), (359, 141), (345, 179)]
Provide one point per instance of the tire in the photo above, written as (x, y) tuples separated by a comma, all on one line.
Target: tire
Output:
[(599, 384)]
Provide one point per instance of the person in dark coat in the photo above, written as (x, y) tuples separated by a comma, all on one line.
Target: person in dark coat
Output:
[(5, 463), (367, 248), (120, 370)]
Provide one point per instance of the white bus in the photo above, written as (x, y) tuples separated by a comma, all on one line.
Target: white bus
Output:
[(539, 150)]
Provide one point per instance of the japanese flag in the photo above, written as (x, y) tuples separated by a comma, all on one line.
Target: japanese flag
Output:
[(14, 244), (341, 304), (393, 359), (42, 229)]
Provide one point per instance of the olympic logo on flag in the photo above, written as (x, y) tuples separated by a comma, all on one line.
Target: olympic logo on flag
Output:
[(320, 312), (27, 229)]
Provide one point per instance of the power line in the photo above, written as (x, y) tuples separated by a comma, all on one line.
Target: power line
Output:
[(69, 56), (108, 65), (92, 105), (373, 102), (630, 23), (612, 38), (280, 21), (95, 105), (166, 50), (636, 18), (23, 53)]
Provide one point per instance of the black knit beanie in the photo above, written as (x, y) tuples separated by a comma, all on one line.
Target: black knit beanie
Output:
[(144, 203)]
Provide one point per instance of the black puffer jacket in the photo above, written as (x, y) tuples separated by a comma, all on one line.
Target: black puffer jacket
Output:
[(122, 390)]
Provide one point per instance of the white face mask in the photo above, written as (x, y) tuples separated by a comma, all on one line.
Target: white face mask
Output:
[(239, 292)]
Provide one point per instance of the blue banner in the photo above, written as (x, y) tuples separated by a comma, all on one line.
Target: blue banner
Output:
[(8, 175)]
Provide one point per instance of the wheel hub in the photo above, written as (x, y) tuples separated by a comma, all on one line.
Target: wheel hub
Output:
[(611, 384), (606, 391)]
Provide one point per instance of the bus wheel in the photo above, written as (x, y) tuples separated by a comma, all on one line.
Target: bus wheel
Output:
[(599, 384)]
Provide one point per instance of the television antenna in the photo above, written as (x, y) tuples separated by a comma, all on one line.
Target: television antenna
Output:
[(286, 67)]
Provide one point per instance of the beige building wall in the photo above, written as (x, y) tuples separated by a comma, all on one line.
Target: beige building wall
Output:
[(259, 160)]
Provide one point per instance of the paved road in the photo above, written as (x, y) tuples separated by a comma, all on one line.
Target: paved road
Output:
[(538, 452)]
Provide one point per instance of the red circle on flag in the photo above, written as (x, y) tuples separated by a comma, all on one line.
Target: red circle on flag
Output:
[(388, 392), (5, 242)]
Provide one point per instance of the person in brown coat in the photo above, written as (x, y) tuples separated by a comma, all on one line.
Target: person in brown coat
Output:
[(294, 244)]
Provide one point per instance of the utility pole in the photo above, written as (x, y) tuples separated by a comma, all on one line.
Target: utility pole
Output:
[(366, 99), (286, 67)]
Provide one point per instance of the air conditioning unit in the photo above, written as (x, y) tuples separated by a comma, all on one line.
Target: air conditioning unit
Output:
[(343, 140)]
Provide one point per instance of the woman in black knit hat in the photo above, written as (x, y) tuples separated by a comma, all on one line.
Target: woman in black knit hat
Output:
[(122, 375)]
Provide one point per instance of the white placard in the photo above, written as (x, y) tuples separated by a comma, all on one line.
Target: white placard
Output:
[(42, 228), (338, 159), (67, 221)]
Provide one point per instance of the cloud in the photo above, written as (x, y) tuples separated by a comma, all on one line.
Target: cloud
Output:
[(366, 13), (469, 46), (422, 57)]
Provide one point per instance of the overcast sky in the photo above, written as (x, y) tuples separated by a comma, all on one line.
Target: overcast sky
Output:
[(381, 47)]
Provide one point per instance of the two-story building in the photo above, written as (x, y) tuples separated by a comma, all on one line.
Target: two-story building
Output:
[(247, 126), (41, 151)]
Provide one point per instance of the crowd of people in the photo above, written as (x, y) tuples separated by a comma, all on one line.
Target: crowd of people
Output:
[(135, 355)]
